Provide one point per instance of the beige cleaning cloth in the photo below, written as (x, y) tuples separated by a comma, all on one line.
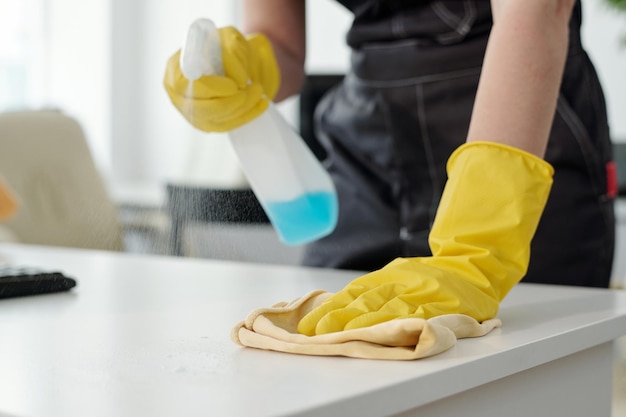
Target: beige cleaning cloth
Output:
[(275, 328)]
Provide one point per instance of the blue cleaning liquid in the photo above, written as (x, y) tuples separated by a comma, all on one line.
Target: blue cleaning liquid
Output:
[(304, 219)]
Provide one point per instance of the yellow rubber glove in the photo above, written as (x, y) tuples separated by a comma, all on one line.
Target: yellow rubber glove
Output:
[(8, 201), (480, 241), (216, 103)]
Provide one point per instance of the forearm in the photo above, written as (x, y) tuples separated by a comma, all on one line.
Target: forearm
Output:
[(291, 72), (522, 71), (283, 22)]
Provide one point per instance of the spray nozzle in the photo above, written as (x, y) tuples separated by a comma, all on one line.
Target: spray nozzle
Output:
[(202, 51)]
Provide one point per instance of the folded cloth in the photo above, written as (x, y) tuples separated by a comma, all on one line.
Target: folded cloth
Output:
[(275, 328)]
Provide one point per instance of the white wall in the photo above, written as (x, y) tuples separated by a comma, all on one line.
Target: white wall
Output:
[(602, 30), (327, 23), (126, 109), (152, 140), (78, 72)]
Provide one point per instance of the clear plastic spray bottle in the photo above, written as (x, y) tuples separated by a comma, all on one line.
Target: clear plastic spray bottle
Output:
[(293, 188)]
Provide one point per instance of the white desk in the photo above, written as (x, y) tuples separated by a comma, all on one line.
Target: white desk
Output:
[(149, 336)]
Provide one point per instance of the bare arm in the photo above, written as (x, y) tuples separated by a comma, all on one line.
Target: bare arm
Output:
[(283, 22), (522, 71)]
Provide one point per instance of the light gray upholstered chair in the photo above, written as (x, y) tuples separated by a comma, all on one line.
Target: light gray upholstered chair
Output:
[(45, 158)]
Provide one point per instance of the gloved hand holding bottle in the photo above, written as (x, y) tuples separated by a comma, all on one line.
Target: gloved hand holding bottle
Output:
[(222, 81), (223, 102)]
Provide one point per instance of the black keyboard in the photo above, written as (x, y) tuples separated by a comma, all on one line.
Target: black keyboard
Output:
[(18, 281)]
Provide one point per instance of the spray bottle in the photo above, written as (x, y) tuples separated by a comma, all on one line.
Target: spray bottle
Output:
[(293, 188)]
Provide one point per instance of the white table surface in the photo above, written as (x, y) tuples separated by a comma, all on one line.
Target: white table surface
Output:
[(149, 336)]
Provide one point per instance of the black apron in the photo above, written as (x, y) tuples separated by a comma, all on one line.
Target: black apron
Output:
[(405, 105)]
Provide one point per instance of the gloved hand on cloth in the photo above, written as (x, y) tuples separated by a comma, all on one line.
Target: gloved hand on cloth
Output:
[(417, 307), (220, 103)]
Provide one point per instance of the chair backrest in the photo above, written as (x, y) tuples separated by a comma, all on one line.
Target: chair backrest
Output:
[(45, 158)]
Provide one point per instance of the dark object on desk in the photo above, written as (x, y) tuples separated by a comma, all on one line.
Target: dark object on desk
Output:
[(209, 205), (21, 281)]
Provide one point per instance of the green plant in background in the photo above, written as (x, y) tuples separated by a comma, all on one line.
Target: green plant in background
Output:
[(619, 4)]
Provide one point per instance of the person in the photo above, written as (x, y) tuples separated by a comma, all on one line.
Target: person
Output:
[(406, 104)]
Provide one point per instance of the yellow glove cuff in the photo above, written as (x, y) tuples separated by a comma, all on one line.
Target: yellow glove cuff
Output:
[(265, 71), (488, 213)]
